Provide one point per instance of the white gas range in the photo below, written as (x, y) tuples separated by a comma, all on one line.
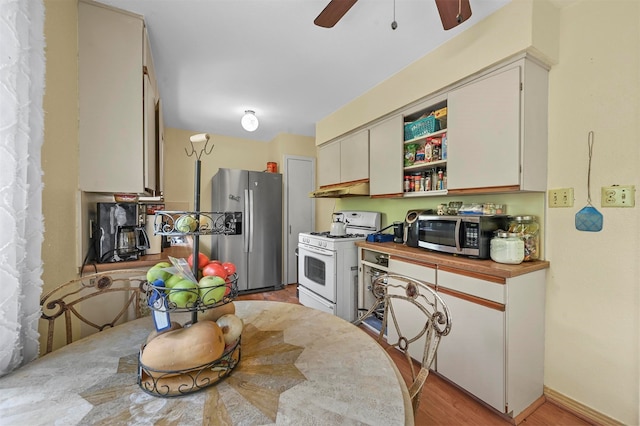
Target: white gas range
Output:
[(328, 265)]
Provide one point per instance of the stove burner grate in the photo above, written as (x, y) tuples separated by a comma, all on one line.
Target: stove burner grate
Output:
[(327, 234)]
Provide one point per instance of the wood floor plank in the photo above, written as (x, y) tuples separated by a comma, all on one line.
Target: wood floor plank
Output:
[(442, 402)]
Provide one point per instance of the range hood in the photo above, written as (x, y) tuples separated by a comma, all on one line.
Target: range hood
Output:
[(349, 189)]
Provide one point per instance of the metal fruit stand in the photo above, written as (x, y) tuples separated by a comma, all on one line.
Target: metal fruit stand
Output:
[(169, 383)]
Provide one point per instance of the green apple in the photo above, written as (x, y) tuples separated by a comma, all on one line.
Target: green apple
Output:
[(211, 288), (184, 293), (172, 280), (186, 224), (157, 273)]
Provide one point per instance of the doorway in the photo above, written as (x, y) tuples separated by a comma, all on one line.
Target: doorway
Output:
[(299, 211)]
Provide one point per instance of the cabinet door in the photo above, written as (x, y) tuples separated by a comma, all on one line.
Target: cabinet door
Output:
[(148, 63), (329, 164), (410, 321), (354, 157), (409, 317), (160, 138), (473, 354), (150, 137), (110, 51), (484, 132), (385, 157)]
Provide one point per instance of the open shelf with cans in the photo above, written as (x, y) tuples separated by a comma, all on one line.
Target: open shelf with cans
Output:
[(426, 151)]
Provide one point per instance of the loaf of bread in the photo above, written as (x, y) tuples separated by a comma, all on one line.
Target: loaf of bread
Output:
[(183, 349)]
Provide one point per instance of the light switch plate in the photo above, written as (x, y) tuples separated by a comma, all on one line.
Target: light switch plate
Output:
[(562, 197), (618, 196)]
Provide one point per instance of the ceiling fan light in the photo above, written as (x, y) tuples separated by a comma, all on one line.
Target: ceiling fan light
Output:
[(249, 121)]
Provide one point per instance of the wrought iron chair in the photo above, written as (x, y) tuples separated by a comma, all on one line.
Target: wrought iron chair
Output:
[(399, 295), (119, 290)]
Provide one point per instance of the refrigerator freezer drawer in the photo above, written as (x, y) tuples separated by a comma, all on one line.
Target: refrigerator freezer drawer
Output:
[(312, 300)]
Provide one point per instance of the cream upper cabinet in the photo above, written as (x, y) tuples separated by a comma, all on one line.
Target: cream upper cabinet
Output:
[(497, 130), (344, 160), (385, 157), (329, 164), (354, 157), (150, 139), (115, 119)]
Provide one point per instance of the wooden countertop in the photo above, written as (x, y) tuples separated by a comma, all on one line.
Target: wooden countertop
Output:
[(488, 267), (143, 262), (298, 366)]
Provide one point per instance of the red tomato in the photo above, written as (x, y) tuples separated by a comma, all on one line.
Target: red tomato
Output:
[(215, 261), (229, 267), (214, 269), (203, 260)]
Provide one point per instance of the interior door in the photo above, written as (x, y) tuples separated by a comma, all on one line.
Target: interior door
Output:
[(299, 180)]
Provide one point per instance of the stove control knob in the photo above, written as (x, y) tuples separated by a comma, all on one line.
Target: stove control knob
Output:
[(324, 244)]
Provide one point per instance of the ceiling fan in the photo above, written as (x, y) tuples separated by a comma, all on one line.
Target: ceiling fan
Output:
[(452, 12)]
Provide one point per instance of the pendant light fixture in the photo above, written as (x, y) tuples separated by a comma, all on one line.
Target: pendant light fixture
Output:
[(249, 121)]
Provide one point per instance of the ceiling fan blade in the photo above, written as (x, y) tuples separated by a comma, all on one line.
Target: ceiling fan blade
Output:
[(333, 12), (453, 12)]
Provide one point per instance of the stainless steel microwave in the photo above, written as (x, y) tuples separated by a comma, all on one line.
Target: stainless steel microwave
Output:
[(464, 235)]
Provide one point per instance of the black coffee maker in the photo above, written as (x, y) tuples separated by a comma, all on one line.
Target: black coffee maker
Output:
[(120, 233), (398, 232)]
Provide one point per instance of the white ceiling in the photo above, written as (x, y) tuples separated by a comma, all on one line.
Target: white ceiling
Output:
[(216, 58)]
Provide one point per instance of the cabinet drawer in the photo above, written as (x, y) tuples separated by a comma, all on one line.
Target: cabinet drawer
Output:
[(420, 271), (490, 288)]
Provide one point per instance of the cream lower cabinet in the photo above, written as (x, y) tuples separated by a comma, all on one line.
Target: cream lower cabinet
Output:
[(495, 349), (408, 314), (496, 346)]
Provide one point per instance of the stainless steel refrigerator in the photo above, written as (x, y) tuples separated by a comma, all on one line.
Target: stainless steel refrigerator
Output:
[(257, 250)]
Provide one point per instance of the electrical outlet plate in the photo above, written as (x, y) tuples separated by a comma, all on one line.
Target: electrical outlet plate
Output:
[(562, 197), (618, 196)]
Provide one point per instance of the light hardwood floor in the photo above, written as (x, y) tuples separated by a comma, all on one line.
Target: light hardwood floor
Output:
[(443, 403)]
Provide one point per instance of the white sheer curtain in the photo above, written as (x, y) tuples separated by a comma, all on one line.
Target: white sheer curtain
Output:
[(22, 71)]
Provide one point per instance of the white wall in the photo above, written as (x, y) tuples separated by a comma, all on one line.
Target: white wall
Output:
[(593, 297)]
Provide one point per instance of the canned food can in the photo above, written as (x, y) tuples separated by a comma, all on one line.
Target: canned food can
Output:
[(272, 167)]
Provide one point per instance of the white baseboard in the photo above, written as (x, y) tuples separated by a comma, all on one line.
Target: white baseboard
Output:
[(580, 410)]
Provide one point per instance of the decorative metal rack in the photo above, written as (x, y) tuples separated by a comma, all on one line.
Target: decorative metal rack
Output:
[(179, 223)]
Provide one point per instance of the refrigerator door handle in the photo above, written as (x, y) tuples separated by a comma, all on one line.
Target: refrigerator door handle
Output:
[(250, 220), (247, 212)]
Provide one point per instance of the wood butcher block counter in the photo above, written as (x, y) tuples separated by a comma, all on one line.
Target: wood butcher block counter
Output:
[(298, 366), (488, 267), (144, 261)]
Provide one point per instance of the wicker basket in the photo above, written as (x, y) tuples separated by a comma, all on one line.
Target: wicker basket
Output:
[(421, 127)]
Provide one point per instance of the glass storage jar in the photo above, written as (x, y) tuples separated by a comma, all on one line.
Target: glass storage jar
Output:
[(507, 247), (527, 228)]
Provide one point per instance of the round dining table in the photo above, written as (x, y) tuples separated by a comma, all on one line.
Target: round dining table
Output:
[(298, 366)]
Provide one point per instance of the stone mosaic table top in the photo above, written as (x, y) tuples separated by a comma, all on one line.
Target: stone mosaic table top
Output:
[(298, 366)]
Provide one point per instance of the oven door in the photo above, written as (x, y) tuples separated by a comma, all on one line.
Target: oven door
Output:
[(317, 270)]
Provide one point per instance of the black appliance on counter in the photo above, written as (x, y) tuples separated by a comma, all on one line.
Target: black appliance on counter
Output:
[(119, 233), (410, 228)]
